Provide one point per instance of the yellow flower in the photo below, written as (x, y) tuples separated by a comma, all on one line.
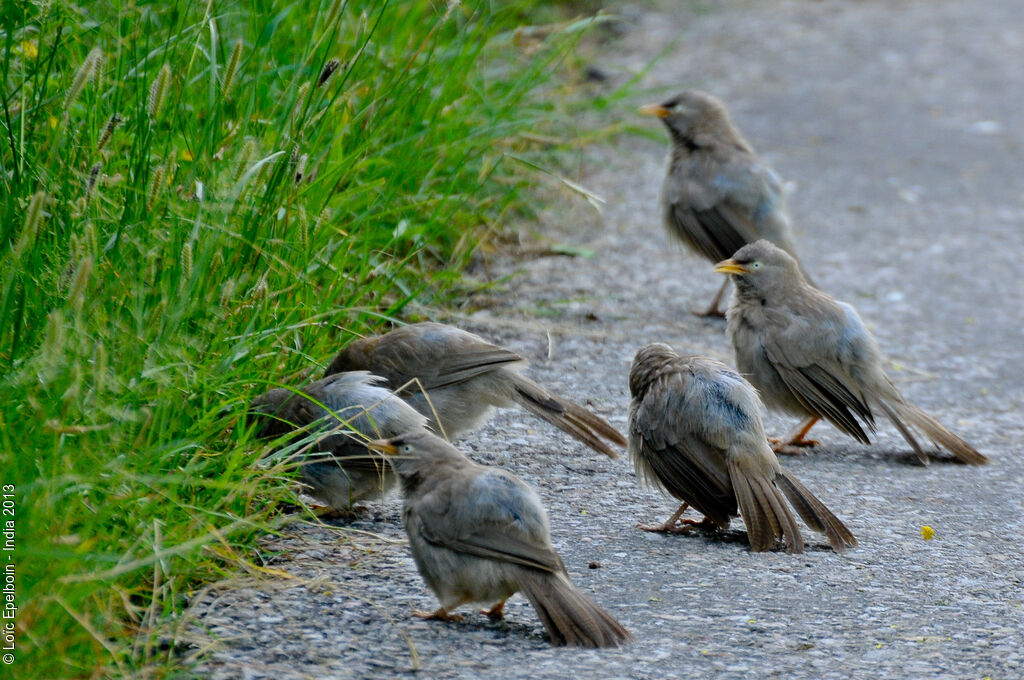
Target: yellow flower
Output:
[(53, 122), (30, 48), (186, 155), (927, 533)]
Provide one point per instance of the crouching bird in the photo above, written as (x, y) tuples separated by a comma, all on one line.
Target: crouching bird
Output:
[(480, 534), (812, 356), (339, 414), (695, 431), (456, 378)]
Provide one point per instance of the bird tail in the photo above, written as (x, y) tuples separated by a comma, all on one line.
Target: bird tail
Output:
[(764, 511), (905, 415), (565, 415), (570, 617), (814, 513)]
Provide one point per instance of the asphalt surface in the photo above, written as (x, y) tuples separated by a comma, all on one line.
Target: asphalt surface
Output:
[(901, 129)]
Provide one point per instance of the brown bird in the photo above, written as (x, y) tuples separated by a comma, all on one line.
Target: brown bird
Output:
[(480, 534), (695, 431), (812, 356), (717, 194), (332, 414), (457, 378)]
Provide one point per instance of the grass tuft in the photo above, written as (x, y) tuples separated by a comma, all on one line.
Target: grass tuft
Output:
[(203, 200)]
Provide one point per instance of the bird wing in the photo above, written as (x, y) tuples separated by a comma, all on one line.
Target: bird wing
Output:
[(435, 354), (723, 206), (681, 436), (815, 355), (489, 514)]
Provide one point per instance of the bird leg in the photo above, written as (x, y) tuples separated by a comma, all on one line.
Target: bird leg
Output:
[(713, 310), (495, 613), (795, 438), (440, 614), (674, 525)]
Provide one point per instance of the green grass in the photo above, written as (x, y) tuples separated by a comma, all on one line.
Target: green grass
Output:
[(236, 223)]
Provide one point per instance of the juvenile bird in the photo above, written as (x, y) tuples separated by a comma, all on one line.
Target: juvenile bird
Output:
[(695, 431), (460, 377), (717, 194), (480, 534), (337, 466), (812, 356)]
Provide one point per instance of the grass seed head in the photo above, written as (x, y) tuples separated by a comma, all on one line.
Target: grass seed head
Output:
[(94, 175), (231, 69), (155, 187), (186, 261), (158, 92), (76, 293), (89, 70), (108, 131), (328, 71)]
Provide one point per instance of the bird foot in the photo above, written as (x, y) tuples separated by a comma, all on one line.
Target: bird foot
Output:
[(793, 447), (440, 614), (349, 514), (681, 526), (495, 613), (712, 312)]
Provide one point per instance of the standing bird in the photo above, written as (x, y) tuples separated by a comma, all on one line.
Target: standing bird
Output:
[(812, 356), (695, 431), (337, 467), (717, 195), (457, 378), (480, 534)]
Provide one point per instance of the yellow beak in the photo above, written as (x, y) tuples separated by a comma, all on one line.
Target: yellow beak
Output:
[(730, 266), (382, 446), (653, 110)]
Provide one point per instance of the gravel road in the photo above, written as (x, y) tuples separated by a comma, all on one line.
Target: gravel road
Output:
[(901, 127)]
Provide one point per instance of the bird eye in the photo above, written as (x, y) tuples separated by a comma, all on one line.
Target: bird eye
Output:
[(407, 449), (756, 265)]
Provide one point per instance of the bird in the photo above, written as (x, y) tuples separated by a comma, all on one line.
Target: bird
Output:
[(812, 356), (480, 534), (340, 412), (696, 431), (456, 379), (717, 195)]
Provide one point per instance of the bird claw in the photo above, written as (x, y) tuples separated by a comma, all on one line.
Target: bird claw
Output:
[(710, 313), (441, 614), (495, 613), (682, 526), (795, 447)]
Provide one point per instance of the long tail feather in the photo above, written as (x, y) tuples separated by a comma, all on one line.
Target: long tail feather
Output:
[(760, 532), (567, 416), (570, 617), (814, 513), (784, 519), (903, 413)]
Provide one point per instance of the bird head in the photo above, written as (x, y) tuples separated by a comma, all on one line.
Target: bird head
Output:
[(415, 451), (269, 412), (690, 115), (648, 363), (761, 268)]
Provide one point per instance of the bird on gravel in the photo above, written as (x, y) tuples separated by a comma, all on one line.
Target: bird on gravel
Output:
[(812, 356), (456, 378), (335, 411), (480, 534), (695, 431), (717, 194)]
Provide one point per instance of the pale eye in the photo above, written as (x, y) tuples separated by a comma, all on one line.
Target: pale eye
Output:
[(407, 448), (756, 265)]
